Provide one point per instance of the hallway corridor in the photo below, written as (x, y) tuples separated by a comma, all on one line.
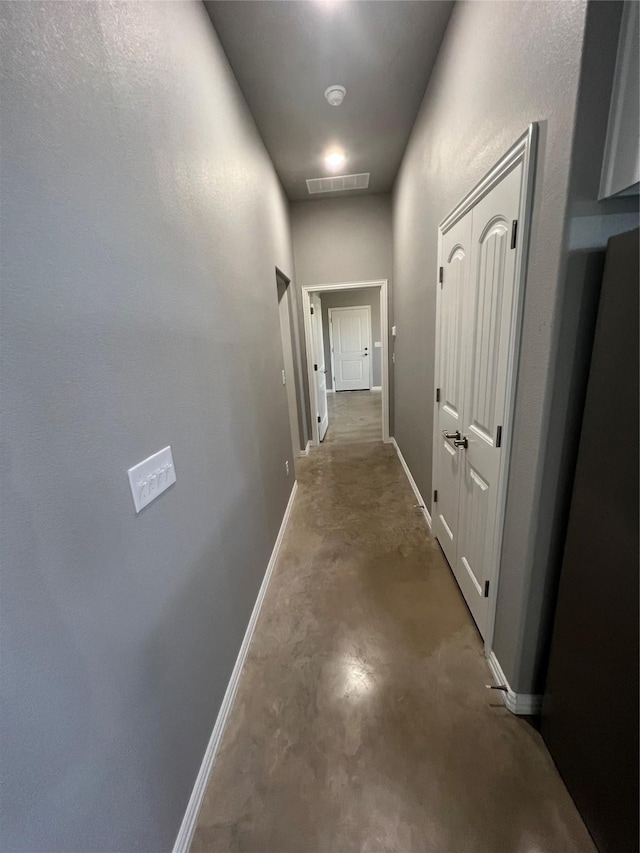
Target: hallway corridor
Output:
[(362, 721)]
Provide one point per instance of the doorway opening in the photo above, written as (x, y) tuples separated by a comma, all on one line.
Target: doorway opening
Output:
[(347, 346), (290, 355)]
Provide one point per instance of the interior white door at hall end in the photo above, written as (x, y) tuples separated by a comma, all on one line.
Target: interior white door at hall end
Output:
[(319, 367), (351, 346), (479, 313)]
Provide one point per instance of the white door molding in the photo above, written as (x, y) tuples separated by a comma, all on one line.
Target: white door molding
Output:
[(319, 366), (522, 151), (526, 704), (307, 290)]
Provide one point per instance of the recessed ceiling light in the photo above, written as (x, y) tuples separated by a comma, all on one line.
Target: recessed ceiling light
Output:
[(334, 158), (335, 94)]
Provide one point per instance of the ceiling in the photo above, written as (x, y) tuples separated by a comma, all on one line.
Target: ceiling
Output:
[(285, 54)]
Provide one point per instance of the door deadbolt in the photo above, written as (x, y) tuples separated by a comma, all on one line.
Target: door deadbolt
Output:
[(461, 442)]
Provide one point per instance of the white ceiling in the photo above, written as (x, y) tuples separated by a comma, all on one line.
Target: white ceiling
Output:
[(285, 53)]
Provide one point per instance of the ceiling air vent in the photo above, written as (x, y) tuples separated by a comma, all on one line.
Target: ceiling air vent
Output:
[(340, 182)]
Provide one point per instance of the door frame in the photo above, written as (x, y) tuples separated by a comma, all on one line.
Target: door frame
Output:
[(307, 290), (522, 151), (367, 308), (316, 338), (293, 382)]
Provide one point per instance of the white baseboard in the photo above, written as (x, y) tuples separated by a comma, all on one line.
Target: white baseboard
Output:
[(376, 387), (331, 390), (528, 704), (412, 483), (305, 452), (189, 822)]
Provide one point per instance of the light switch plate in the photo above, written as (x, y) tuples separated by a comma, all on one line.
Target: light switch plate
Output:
[(150, 478)]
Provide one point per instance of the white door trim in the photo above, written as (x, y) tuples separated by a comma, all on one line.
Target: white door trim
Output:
[(416, 491), (367, 308), (307, 290), (523, 150), (527, 704)]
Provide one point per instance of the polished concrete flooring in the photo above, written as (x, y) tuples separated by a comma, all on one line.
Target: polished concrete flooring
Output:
[(354, 416), (362, 723)]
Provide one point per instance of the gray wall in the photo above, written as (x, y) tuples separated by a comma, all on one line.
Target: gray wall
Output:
[(343, 239), (345, 299), (521, 64), (589, 225), (142, 223)]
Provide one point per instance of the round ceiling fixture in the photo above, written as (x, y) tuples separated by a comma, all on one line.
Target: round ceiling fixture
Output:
[(335, 94), (334, 158)]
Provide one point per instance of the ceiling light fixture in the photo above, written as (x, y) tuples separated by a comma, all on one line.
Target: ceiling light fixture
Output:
[(335, 94), (334, 159)]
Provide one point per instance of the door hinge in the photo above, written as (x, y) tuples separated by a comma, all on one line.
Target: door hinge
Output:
[(499, 437), (315, 366), (435, 496), (441, 275), (312, 309), (486, 589), (319, 419), (514, 233), (437, 395)]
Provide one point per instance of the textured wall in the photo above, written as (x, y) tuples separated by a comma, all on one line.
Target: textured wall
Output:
[(142, 223), (521, 63), (343, 239), (345, 299), (589, 225)]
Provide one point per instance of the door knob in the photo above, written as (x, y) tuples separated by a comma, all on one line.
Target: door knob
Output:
[(461, 442), (451, 434)]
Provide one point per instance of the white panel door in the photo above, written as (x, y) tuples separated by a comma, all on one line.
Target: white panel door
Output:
[(351, 342), (488, 324), (455, 254), (319, 367)]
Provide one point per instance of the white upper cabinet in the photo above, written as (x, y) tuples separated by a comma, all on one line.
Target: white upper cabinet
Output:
[(621, 166)]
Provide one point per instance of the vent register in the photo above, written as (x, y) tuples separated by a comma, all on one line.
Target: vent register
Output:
[(337, 183)]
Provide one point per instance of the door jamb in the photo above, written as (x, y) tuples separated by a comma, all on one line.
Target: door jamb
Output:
[(523, 150), (307, 290), (294, 382), (369, 339)]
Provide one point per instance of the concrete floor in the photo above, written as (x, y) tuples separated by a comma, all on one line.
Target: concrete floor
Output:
[(354, 416), (362, 723)]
